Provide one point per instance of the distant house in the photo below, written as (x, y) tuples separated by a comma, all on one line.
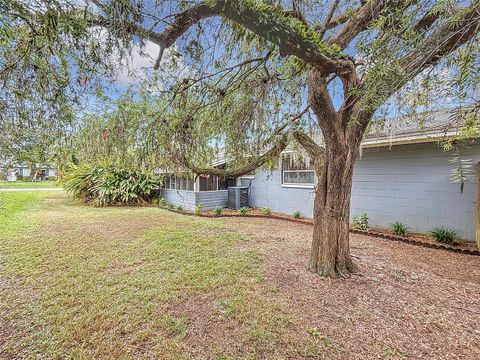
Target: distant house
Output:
[(21, 171), (401, 175)]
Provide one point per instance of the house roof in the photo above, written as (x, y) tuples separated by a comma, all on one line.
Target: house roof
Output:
[(412, 129)]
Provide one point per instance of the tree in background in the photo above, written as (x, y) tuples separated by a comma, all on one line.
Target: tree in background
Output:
[(261, 72)]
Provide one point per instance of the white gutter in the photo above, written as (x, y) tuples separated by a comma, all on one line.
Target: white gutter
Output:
[(415, 138)]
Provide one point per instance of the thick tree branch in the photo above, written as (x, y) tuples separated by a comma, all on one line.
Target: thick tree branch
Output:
[(463, 26), (364, 15), (331, 11), (279, 30), (254, 163), (321, 102), (281, 142), (427, 20), (314, 151), (181, 23)]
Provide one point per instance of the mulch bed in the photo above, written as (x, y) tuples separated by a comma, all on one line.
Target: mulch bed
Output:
[(403, 302), (462, 247)]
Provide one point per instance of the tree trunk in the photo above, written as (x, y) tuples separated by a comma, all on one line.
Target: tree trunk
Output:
[(330, 253)]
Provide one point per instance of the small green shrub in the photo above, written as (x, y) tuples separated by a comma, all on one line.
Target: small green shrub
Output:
[(217, 211), (170, 206), (19, 177), (297, 214), (199, 208), (163, 202), (243, 210), (398, 228), (444, 234), (52, 178), (360, 222), (267, 211), (179, 208)]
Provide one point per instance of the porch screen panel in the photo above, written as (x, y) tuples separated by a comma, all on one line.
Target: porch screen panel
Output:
[(208, 183)]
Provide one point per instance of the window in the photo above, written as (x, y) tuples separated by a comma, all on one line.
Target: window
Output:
[(208, 183), (178, 182), (184, 183), (213, 183), (297, 170), (166, 182)]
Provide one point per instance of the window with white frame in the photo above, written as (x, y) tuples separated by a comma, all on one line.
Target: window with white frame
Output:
[(297, 170)]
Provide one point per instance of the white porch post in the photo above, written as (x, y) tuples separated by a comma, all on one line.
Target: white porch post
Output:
[(196, 184)]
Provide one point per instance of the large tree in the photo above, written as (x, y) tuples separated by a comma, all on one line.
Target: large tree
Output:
[(254, 68)]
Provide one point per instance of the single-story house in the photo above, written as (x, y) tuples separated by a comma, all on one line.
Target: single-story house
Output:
[(402, 174), (24, 171)]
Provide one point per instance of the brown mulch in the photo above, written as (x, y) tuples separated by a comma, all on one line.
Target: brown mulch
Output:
[(460, 246), (470, 246), (404, 302)]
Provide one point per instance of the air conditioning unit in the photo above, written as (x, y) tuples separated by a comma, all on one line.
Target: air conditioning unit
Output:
[(237, 197)]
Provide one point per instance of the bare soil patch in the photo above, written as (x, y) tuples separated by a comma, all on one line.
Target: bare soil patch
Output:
[(405, 301)]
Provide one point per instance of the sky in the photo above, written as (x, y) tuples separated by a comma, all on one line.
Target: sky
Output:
[(139, 66)]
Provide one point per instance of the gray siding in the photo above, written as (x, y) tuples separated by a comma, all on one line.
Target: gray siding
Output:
[(407, 183), (266, 190), (179, 197), (212, 199), (411, 184), (189, 199)]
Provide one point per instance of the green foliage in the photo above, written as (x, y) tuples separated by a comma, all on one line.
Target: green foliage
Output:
[(267, 211), (243, 210), (444, 234), (179, 207), (398, 228), (52, 178), (218, 211), (361, 222), (199, 208), (276, 14), (106, 186), (297, 214), (163, 202)]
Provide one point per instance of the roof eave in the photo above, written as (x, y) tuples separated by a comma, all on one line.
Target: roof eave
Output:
[(414, 138)]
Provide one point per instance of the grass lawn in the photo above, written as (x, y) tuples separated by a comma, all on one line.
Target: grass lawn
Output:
[(27, 184), (83, 282), (96, 283)]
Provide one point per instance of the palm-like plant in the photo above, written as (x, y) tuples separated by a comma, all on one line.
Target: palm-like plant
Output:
[(105, 186)]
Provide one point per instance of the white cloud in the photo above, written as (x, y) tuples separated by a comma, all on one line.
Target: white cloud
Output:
[(139, 66)]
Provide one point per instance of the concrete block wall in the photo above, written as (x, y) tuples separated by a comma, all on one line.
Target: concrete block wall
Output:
[(412, 184), (406, 183), (266, 190)]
